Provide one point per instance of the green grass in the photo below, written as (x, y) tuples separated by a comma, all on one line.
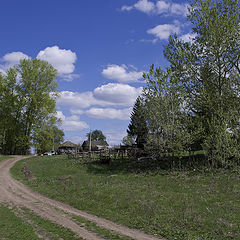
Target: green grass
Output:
[(22, 224), (12, 227), (52, 230), (4, 157), (106, 234), (173, 204)]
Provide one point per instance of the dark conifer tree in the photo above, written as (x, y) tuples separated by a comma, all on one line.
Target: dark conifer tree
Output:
[(138, 125)]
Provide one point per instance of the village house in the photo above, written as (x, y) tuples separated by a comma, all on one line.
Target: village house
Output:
[(67, 147), (95, 145)]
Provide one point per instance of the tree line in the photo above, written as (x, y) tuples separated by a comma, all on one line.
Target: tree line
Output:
[(28, 94), (194, 104)]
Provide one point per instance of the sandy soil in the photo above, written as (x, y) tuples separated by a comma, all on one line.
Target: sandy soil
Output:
[(15, 193)]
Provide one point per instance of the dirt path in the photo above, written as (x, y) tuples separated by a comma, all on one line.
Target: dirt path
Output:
[(17, 194)]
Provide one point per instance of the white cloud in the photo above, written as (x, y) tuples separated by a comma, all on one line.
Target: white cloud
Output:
[(179, 9), (76, 99), (76, 111), (75, 139), (160, 7), (69, 77), (110, 113), (71, 123), (120, 74), (164, 31), (117, 94), (114, 137), (61, 59), (144, 6), (112, 94), (188, 37), (11, 59), (126, 8)]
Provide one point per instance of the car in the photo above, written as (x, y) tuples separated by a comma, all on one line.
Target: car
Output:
[(48, 153)]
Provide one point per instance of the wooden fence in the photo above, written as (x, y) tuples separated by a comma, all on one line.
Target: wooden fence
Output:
[(105, 155)]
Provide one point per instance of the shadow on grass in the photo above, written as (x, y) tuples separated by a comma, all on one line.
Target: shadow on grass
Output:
[(163, 165)]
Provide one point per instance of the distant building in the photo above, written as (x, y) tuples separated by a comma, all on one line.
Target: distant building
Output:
[(67, 147), (95, 145)]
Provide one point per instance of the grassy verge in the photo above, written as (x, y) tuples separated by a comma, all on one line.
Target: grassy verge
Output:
[(176, 205), (23, 224), (12, 227), (3, 157), (106, 234)]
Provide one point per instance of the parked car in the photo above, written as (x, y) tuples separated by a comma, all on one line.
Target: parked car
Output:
[(52, 152)]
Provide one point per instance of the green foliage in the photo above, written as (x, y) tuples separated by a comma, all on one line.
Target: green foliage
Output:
[(48, 137), (96, 135), (28, 93), (195, 103)]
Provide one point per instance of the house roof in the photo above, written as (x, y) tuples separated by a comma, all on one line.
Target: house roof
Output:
[(68, 144), (97, 143)]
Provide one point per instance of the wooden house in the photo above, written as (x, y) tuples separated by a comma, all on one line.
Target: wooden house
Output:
[(67, 147), (95, 145)]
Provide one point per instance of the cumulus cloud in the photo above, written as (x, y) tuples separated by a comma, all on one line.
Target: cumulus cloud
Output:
[(179, 9), (162, 7), (120, 73), (112, 94), (117, 94), (163, 31), (159, 7), (71, 123), (110, 113), (76, 111), (106, 95), (61, 59), (76, 99), (11, 59), (144, 6), (114, 137)]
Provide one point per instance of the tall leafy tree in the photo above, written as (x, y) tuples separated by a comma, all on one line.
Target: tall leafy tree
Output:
[(208, 71), (96, 135), (166, 114), (28, 99)]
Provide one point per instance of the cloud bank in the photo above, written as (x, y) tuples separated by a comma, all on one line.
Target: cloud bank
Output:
[(159, 7)]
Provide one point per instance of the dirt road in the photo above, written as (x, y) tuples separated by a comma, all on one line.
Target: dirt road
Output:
[(15, 193)]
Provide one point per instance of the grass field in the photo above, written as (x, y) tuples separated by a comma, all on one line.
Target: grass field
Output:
[(4, 157), (22, 224), (173, 204)]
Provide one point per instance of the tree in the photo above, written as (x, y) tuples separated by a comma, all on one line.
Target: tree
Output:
[(208, 71), (166, 114), (196, 100), (28, 99), (128, 140), (48, 136), (96, 135), (138, 125)]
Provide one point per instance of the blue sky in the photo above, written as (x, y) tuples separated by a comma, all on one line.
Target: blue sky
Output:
[(100, 49)]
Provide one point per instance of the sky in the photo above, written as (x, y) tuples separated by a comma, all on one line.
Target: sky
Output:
[(100, 49)]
